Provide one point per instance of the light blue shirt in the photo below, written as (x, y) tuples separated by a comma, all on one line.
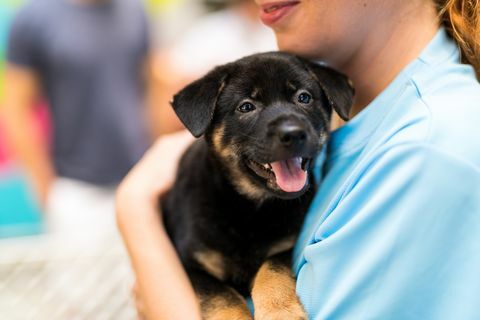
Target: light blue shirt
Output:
[(394, 230)]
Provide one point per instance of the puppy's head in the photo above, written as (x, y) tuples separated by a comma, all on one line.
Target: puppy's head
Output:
[(265, 117)]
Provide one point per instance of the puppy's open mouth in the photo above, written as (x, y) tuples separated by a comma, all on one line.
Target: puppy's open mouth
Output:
[(288, 175)]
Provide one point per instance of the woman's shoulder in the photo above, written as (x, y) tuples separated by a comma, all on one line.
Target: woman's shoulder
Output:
[(450, 97), (440, 109), (449, 89)]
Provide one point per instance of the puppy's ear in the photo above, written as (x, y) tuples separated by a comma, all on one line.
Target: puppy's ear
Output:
[(336, 86), (195, 104)]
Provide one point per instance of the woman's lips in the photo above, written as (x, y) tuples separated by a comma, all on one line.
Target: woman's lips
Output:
[(271, 12)]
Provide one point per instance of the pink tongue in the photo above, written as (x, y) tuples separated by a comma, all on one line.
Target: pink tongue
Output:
[(289, 174)]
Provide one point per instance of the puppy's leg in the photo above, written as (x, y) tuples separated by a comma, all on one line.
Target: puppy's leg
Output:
[(273, 292), (217, 300)]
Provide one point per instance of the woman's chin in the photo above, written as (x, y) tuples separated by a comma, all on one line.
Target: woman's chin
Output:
[(292, 45)]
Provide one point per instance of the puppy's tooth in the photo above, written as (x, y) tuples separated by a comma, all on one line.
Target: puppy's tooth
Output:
[(271, 9)]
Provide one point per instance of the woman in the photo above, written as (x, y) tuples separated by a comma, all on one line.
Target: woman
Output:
[(394, 231)]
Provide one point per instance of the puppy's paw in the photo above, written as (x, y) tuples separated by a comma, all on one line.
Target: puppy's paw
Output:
[(281, 311), (229, 306), (274, 295), (227, 314)]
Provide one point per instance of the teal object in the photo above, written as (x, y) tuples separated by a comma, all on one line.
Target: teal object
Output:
[(7, 12), (19, 213)]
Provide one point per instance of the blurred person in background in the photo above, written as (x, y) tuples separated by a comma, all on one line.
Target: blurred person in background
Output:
[(232, 31), (88, 58)]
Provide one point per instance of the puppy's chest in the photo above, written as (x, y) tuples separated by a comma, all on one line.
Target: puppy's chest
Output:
[(235, 246), (238, 266), (244, 228)]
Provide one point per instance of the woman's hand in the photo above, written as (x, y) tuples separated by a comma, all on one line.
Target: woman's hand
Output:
[(164, 288), (155, 172)]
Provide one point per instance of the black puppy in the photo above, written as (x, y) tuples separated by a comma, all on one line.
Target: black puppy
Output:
[(242, 191)]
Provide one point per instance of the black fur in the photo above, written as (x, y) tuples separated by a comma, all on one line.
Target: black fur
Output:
[(218, 201)]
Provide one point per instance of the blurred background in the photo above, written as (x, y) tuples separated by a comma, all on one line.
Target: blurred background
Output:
[(85, 87)]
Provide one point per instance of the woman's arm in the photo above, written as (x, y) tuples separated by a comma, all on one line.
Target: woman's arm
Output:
[(162, 283)]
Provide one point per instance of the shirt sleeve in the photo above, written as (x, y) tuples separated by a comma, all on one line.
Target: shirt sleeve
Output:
[(402, 243), (23, 46)]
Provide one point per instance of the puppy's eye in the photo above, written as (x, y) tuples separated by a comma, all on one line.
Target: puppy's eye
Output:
[(246, 107), (304, 98)]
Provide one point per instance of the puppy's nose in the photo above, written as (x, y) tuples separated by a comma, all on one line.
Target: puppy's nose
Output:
[(291, 134)]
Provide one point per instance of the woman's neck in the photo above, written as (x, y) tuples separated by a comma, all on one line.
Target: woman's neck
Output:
[(385, 51)]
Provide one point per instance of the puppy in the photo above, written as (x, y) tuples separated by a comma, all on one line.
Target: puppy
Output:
[(243, 189)]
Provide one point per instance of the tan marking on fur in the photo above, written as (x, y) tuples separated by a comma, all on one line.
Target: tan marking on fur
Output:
[(255, 93), (226, 152), (232, 306), (241, 182), (350, 83), (274, 294), (291, 85), (212, 262), (281, 246), (245, 187), (217, 138)]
